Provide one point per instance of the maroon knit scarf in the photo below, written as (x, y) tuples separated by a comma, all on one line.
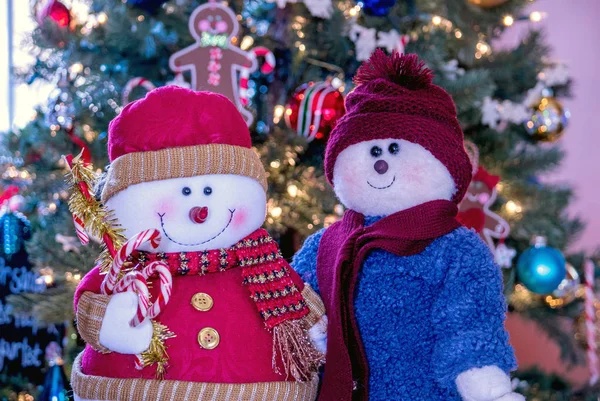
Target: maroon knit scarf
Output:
[(342, 250)]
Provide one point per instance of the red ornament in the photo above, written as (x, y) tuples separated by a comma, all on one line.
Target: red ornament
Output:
[(314, 110), (56, 11)]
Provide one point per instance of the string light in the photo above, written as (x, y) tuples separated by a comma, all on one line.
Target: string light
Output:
[(278, 113), (536, 16), (246, 42), (76, 68), (458, 34), (276, 212), (292, 190), (508, 20), (513, 207), (436, 20), (102, 18)]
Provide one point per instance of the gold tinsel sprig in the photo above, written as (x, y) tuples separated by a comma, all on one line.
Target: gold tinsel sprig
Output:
[(98, 220)]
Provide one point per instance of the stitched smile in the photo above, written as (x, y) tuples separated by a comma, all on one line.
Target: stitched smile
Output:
[(162, 225), (387, 186)]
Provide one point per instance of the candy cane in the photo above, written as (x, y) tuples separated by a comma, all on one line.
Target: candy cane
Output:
[(83, 236), (590, 327), (136, 282), (166, 286), (267, 68), (110, 280), (134, 83)]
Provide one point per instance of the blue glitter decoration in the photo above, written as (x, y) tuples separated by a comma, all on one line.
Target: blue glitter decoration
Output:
[(14, 230), (541, 268), (377, 8)]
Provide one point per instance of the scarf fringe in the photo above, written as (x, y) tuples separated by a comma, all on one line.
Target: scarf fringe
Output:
[(299, 356)]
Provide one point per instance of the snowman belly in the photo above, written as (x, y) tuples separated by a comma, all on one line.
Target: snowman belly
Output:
[(220, 336)]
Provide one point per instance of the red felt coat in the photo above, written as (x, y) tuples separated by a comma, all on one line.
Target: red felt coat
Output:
[(244, 353)]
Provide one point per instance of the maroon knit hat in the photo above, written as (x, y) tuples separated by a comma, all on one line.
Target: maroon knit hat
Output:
[(395, 98)]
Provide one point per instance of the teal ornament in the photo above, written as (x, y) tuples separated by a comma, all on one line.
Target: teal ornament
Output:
[(56, 385), (541, 268)]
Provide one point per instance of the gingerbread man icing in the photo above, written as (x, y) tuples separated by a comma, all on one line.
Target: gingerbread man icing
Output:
[(214, 63)]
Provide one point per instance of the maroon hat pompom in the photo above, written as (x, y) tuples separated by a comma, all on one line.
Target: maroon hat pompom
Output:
[(395, 98)]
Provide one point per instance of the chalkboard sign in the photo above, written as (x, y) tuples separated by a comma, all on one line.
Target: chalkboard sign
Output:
[(22, 340)]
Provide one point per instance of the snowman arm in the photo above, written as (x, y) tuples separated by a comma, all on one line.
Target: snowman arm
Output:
[(305, 260), (90, 308), (468, 315)]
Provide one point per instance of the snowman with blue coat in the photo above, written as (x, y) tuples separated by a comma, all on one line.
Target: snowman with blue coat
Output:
[(414, 300)]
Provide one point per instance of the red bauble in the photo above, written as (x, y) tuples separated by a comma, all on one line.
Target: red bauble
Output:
[(314, 110), (56, 11)]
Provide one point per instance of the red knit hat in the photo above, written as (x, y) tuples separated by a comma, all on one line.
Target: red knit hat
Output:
[(395, 98), (175, 132)]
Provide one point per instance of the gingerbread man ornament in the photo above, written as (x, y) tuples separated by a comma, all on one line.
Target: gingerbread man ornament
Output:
[(213, 61), (474, 210)]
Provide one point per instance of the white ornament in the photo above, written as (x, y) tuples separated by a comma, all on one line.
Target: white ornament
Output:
[(364, 40), (452, 70), (179, 81), (504, 256), (516, 113), (555, 75), (319, 8), (392, 40), (489, 112), (281, 3), (534, 95), (68, 243)]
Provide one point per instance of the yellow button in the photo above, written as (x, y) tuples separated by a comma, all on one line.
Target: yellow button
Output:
[(208, 338), (203, 302)]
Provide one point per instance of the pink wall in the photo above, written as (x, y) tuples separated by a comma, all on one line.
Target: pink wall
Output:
[(573, 30)]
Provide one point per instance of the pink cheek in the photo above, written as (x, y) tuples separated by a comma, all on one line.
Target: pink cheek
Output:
[(240, 218), (221, 26), (414, 175), (165, 206), (484, 198), (204, 25)]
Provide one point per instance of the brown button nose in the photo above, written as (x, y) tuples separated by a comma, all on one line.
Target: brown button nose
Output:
[(199, 214), (381, 166)]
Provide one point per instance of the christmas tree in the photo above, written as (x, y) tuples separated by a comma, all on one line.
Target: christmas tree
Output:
[(301, 57)]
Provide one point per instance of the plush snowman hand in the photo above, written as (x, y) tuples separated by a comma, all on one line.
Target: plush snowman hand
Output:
[(318, 334), (489, 383), (116, 334)]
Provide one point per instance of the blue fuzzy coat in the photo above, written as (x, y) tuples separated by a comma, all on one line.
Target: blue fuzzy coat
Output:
[(426, 318)]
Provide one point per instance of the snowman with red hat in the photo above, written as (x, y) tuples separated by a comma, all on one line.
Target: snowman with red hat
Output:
[(240, 323), (414, 300)]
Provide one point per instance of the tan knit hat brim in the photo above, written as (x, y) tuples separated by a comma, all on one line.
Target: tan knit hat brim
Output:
[(189, 161)]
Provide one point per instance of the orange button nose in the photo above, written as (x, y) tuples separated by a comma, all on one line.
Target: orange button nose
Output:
[(199, 214)]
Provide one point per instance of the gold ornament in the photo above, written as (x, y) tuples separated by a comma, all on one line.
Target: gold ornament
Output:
[(487, 3), (548, 121), (567, 291)]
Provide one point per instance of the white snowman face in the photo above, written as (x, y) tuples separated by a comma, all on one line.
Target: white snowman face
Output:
[(192, 214), (384, 176)]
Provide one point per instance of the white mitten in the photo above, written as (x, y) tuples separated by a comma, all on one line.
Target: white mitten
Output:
[(116, 334), (489, 383), (318, 334)]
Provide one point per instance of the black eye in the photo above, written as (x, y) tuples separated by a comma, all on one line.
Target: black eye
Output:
[(394, 148), (186, 191), (218, 18), (376, 151), (207, 191)]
